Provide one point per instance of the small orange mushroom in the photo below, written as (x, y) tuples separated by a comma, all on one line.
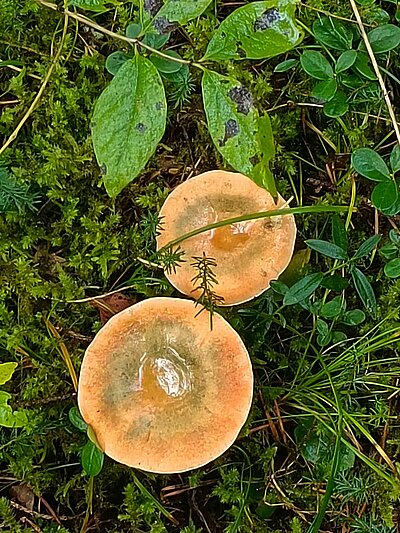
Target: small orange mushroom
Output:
[(161, 391), (248, 255)]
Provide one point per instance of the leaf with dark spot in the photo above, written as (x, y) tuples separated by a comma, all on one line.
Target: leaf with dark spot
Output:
[(258, 30), (267, 19), (243, 98), (141, 127), (163, 25), (242, 138), (152, 6), (130, 99)]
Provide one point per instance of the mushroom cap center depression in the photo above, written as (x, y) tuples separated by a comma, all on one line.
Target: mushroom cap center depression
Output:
[(229, 237), (162, 376)]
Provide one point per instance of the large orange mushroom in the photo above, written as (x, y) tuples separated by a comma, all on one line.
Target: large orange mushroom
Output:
[(161, 391), (248, 255)]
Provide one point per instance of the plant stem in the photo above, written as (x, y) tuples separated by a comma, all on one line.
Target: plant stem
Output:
[(137, 42), (254, 216)]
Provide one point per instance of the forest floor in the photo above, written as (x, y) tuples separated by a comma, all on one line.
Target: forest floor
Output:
[(320, 450)]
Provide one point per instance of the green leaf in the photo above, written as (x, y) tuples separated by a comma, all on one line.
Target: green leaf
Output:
[(389, 251), (261, 173), (392, 269), (345, 61), (384, 38), (385, 196), (354, 317), (165, 66), (128, 122), (333, 33), (181, 11), (316, 65), (367, 247), (339, 233), (395, 158), (279, 287), (92, 459), (156, 40), (363, 66), (370, 164), (326, 248), (6, 372), (394, 237), (115, 61), (256, 30), (335, 282), (324, 90), (338, 336), (76, 419), (240, 135), (89, 5), (284, 66), (337, 106), (133, 31), (8, 417), (332, 309), (364, 290), (303, 289)]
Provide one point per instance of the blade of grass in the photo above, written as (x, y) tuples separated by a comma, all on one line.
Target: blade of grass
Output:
[(255, 216), (62, 349)]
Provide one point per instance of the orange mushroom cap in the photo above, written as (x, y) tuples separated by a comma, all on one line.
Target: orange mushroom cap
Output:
[(161, 391), (248, 254)]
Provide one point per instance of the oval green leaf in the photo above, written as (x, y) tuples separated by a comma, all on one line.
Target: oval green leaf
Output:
[(394, 237), (256, 31), (76, 419), (8, 417), (325, 90), (133, 30), (243, 137), (303, 289), (337, 106), (333, 33), (335, 282), (370, 164), (364, 290), (384, 38), (6, 371), (385, 196), (284, 66), (164, 65), (92, 459), (395, 158), (180, 11), (392, 269), (345, 61), (316, 65), (115, 61), (339, 233), (332, 309), (326, 248), (367, 246), (128, 122), (363, 66), (354, 317)]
